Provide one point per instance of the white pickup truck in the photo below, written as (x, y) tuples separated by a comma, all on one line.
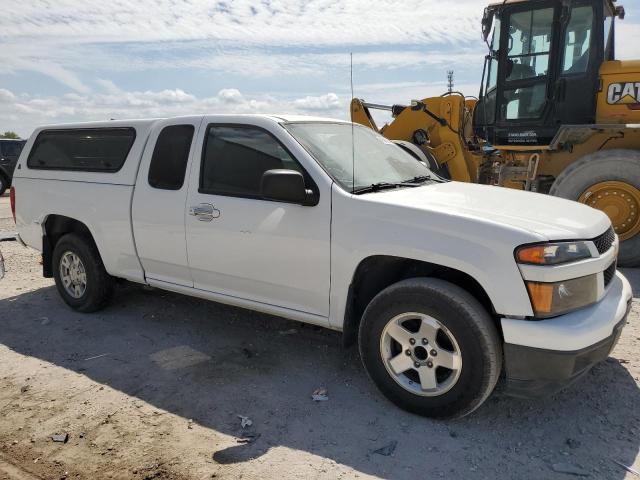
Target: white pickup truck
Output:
[(445, 286)]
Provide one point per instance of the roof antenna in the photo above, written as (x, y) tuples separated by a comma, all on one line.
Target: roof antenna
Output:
[(353, 145)]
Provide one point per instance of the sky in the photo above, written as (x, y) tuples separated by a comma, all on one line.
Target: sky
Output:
[(71, 60)]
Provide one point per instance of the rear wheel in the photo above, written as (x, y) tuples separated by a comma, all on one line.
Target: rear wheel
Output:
[(430, 347), (608, 180), (81, 279), (4, 184)]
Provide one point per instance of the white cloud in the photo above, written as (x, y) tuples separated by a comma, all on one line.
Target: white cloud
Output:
[(267, 63), (23, 113), (283, 22), (41, 63), (62, 38), (68, 40), (323, 103), (288, 41), (6, 96), (231, 96), (59, 61), (108, 86)]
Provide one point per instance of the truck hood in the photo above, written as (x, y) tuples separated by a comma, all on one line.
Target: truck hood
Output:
[(549, 218)]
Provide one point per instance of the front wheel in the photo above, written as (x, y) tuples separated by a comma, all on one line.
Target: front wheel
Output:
[(4, 184), (430, 347)]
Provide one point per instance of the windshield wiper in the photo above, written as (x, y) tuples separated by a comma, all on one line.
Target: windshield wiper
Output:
[(376, 187), (418, 179)]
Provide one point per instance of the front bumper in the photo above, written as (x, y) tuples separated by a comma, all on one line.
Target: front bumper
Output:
[(541, 357)]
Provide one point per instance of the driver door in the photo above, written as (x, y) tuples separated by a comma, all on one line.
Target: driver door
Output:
[(244, 247)]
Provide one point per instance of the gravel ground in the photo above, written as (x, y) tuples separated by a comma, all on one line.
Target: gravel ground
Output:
[(153, 387)]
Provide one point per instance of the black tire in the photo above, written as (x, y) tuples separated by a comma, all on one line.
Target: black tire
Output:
[(4, 184), (99, 284), (602, 166), (474, 330)]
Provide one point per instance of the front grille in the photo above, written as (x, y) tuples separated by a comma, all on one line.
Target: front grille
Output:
[(609, 273), (604, 241)]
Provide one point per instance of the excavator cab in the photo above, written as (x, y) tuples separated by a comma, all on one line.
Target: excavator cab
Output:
[(542, 68)]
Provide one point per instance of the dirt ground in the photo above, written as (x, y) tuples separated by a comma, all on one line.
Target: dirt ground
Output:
[(153, 387)]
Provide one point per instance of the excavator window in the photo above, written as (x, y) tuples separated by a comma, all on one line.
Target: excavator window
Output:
[(493, 64), (529, 44), (528, 50), (577, 40)]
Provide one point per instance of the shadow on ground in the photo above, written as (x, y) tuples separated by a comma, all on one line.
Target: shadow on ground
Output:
[(209, 362)]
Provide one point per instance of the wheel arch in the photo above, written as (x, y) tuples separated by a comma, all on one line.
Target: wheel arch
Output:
[(375, 273), (54, 227)]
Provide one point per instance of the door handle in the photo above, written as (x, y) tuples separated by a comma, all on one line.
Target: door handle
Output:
[(205, 212)]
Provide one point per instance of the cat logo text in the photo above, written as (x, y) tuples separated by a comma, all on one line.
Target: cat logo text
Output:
[(624, 93)]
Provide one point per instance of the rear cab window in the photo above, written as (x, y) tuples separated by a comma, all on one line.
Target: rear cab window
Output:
[(170, 157), (86, 149)]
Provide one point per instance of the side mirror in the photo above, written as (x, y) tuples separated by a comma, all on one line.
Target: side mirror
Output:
[(283, 185)]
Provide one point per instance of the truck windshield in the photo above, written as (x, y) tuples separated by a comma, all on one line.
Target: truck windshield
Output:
[(357, 157)]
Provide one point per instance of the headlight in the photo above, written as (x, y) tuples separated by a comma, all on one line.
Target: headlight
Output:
[(551, 299), (553, 253)]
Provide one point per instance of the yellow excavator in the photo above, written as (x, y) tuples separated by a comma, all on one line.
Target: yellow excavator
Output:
[(556, 113)]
